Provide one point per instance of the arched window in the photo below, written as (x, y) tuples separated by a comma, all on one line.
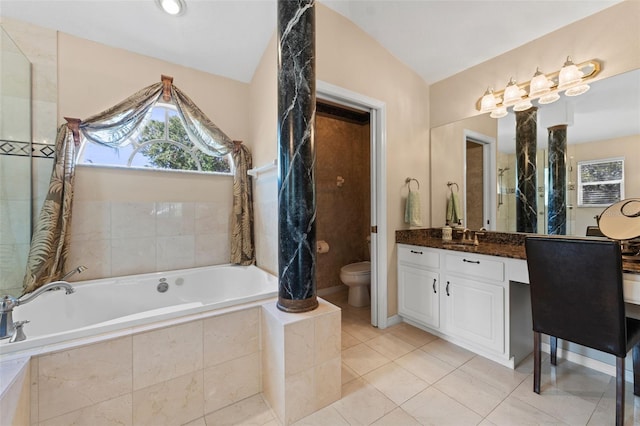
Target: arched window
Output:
[(162, 144)]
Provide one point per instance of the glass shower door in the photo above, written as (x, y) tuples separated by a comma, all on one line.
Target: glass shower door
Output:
[(15, 164)]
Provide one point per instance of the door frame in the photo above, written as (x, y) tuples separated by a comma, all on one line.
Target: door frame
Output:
[(378, 143), (489, 177)]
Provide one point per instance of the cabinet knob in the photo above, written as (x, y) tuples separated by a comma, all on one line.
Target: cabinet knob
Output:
[(434, 285), (477, 262), (447, 288), (416, 252)]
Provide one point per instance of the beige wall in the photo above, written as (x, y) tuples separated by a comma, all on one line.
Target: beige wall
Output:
[(174, 220), (448, 143), (611, 36)]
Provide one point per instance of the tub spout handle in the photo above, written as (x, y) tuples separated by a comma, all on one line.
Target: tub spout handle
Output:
[(18, 334)]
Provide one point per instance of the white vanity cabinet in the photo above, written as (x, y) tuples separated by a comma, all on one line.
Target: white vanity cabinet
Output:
[(474, 300), (469, 299), (419, 285)]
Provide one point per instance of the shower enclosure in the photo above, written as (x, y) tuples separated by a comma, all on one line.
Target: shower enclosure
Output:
[(15, 164)]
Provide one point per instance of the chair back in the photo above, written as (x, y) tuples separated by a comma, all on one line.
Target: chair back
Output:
[(594, 231), (577, 291)]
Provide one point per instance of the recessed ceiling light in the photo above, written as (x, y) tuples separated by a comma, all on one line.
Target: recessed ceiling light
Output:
[(172, 7)]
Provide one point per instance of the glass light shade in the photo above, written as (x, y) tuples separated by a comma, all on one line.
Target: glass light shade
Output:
[(498, 112), (569, 76), (539, 84), (577, 90), (488, 102), (512, 93), (549, 98), (522, 105)]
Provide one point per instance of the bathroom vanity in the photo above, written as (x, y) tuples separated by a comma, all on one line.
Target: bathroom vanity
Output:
[(474, 296)]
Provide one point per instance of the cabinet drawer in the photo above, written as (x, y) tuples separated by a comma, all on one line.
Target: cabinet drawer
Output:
[(420, 256), (475, 266)]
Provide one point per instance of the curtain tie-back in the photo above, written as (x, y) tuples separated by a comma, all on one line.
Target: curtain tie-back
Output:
[(167, 81), (236, 146), (74, 125)]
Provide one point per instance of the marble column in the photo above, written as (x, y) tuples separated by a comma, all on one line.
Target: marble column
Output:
[(557, 188), (296, 154), (526, 194)]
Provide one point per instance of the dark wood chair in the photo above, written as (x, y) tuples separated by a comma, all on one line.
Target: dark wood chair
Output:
[(577, 295)]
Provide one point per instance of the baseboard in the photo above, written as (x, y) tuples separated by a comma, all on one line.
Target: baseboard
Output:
[(330, 290), (393, 320), (594, 364)]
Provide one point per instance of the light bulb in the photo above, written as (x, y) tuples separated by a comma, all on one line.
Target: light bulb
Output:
[(172, 7)]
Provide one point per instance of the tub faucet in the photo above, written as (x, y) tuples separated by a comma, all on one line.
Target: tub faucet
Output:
[(8, 302), (78, 270)]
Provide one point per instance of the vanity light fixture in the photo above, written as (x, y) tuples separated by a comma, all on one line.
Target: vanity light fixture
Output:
[(545, 88), (173, 7)]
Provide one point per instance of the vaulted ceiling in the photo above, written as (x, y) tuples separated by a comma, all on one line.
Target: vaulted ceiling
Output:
[(228, 37)]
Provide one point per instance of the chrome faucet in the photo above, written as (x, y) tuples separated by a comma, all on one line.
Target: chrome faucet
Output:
[(78, 270), (8, 302)]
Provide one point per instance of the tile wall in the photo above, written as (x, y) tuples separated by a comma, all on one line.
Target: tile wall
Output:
[(124, 238), (301, 360), (344, 210), (167, 376), (265, 212)]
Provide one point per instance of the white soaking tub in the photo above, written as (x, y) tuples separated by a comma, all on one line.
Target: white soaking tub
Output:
[(123, 305)]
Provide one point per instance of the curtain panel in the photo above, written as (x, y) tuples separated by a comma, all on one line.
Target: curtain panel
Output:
[(51, 235), (113, 128)]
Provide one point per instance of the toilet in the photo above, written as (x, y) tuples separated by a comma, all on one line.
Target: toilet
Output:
[(357, 276)]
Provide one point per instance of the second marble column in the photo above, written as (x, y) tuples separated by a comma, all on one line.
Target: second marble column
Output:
[(557, 188)]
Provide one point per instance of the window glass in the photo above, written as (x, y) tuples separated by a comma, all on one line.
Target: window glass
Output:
[(600, 182), (162, 144)]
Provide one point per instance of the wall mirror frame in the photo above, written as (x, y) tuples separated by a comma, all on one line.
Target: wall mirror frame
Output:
[(602, 123)]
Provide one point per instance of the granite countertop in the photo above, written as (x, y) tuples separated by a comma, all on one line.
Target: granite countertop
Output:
[(502, 244)]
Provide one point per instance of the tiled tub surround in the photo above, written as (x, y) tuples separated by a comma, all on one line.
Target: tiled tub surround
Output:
[(123, 238), (169, 376), (181, 372)]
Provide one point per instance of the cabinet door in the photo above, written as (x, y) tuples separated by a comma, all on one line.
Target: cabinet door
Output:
[(418, 295), (474, 311)]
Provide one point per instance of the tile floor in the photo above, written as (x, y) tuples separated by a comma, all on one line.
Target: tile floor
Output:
[(403, 376)]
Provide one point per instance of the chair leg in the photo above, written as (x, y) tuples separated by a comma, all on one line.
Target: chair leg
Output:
[(620, 390), (553, 343), (636, 369), (536, 361)]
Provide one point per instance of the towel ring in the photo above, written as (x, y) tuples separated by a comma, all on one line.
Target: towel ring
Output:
[(408, 181), (450, 184)]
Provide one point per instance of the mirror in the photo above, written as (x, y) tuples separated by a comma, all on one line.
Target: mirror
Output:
[(15, 165), (603, 123)]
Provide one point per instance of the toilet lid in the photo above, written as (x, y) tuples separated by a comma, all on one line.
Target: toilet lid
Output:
[(359, 268)]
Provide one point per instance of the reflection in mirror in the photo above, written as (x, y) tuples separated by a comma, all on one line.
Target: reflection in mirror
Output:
[(15, 165), (603, 124)]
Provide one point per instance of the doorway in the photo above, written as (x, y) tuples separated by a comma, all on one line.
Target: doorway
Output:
[(377, 189)]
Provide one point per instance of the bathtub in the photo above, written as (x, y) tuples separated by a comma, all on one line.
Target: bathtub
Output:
[(109, 307)]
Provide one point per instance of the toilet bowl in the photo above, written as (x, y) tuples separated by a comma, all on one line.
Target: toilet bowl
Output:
[(357, 276)]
